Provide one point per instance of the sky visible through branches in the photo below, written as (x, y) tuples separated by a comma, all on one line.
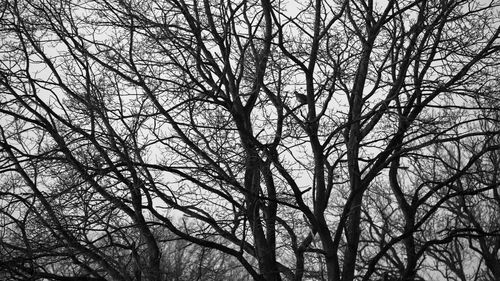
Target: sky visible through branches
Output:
[(145, 140)]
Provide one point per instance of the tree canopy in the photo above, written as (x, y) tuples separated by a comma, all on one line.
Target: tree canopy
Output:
[(249, 140)]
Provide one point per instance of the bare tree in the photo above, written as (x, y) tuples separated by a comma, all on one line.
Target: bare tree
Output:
[(303, 141), (473, 213)]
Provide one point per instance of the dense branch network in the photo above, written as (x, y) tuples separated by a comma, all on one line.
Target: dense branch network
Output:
[(249, 140)]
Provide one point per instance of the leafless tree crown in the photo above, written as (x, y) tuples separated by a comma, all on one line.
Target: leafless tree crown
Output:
[(249, 140)]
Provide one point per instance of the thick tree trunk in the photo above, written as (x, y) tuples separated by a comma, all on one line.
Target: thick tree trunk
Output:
[(352, 234), (264, 249)]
